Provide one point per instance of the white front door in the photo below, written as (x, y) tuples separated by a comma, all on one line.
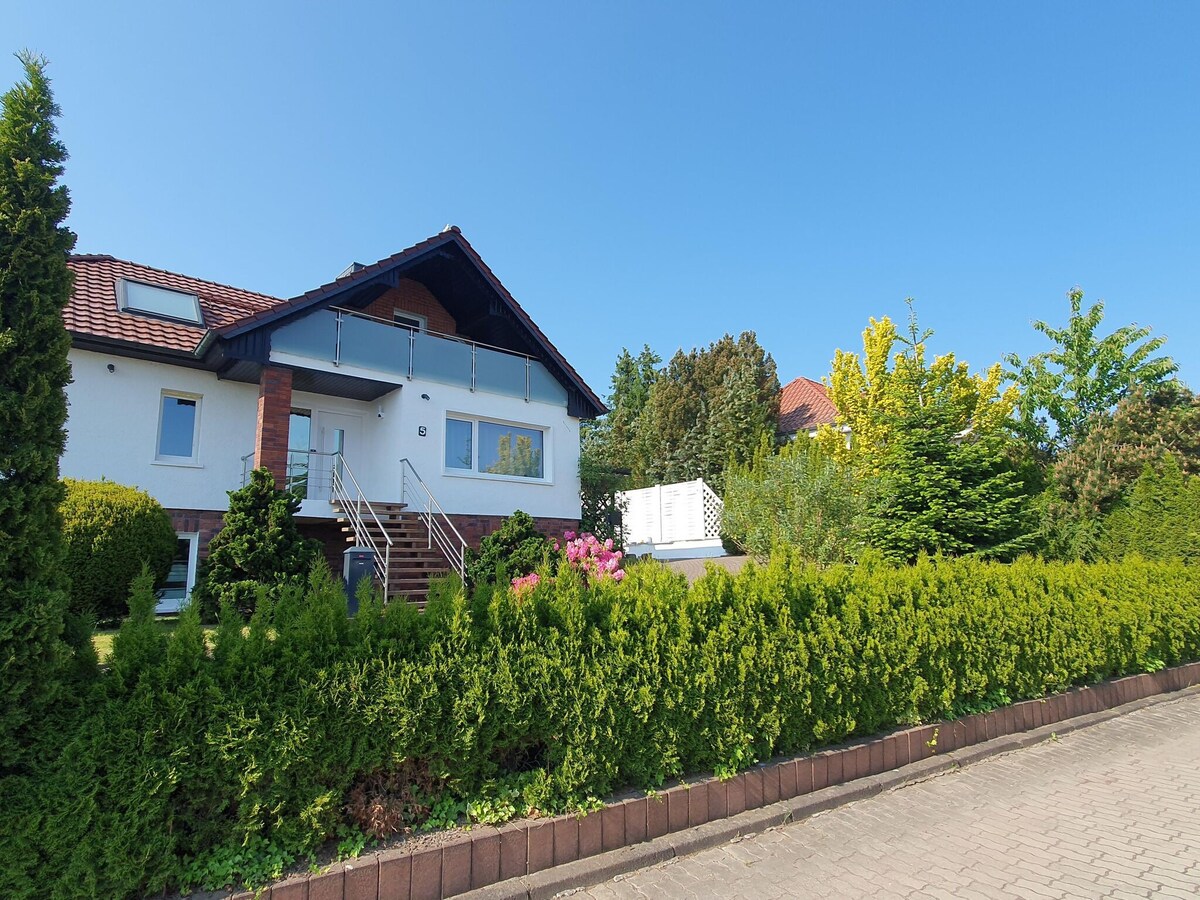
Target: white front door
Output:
[(337, 436)]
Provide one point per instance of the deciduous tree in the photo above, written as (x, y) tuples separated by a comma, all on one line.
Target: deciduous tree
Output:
[(1063, 388)]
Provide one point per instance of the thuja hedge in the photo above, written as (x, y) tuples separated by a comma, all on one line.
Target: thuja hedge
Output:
[(185, 753)]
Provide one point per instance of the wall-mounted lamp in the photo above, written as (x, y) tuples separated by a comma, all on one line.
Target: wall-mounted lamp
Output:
[(424, 396), (379, 411), (111, 367)]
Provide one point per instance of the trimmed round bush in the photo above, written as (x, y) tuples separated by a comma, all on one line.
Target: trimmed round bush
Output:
[(110, 530)]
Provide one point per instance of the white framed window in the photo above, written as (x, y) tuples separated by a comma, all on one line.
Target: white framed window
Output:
[(178, 428), (182, 578), (489, 448), (133, 296), (411, 321)]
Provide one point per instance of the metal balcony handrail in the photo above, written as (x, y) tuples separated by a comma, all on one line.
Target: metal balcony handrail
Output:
[(353, 503), (438, 334), (438, 527)]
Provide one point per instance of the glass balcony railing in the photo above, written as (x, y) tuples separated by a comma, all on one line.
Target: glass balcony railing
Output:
[(344, 338)]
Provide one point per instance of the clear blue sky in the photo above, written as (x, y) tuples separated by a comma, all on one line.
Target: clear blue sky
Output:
[(657, 173)]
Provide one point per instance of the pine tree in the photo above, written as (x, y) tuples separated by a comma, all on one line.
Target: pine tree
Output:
[(948, 492), (35, 285)]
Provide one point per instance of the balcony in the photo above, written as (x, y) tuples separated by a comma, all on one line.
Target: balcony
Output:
[(348, 340)]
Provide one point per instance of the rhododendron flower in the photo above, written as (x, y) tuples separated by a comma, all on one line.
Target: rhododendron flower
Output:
[(524, 585)]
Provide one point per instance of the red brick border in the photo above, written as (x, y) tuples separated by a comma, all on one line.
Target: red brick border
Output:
[(484, 855)]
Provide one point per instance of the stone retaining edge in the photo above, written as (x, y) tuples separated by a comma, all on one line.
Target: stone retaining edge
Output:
[(541, 858)]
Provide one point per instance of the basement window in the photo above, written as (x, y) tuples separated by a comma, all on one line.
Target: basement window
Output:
[(179, 306)]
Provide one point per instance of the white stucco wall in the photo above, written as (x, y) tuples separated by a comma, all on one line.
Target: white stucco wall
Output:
[(112, 429), (396, 435), (113, 433)]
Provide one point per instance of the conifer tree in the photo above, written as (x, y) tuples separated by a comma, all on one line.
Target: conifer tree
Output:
[(259, 548), (35, 285)]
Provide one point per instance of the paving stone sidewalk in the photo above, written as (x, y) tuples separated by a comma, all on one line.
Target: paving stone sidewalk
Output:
[(1107, 811)]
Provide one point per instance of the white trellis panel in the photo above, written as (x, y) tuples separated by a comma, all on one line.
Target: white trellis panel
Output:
[(673, 517)]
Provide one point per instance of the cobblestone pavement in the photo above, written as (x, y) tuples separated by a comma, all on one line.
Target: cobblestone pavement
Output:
[(1107, 811)]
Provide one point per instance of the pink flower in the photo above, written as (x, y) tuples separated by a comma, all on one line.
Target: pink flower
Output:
[(524, 585)]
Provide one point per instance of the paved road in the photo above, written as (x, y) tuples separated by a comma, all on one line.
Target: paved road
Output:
[(1107, 811)]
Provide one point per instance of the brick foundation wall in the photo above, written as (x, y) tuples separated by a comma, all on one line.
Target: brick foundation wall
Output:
[(274, 420), (475, 528), (206, 522), (333, 541), (412, 296)]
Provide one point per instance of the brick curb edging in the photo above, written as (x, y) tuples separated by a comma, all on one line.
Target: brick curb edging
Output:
[(540, 858)]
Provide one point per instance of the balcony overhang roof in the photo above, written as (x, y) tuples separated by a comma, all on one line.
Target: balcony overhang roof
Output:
[(450, 268)]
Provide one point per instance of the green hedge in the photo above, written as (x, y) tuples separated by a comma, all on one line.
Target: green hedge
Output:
[(110, 530), (190, 759)]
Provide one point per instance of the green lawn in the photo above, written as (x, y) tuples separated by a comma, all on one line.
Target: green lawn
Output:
[(102, 640)]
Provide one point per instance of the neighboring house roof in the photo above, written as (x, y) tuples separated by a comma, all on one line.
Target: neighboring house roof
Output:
[(803, 405), (240, 321)]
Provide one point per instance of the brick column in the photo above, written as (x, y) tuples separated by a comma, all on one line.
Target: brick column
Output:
[(274, 411)]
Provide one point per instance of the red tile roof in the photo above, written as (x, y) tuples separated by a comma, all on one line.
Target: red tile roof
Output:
[(803, 405), (228, 311), (93, 312)]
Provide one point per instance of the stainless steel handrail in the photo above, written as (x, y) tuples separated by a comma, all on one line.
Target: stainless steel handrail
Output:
[(439, 528), (353, 508)]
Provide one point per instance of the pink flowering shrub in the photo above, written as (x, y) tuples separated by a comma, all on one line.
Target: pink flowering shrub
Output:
[(596, 559)]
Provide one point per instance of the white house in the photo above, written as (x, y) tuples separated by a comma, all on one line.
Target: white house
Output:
[(413, 402)]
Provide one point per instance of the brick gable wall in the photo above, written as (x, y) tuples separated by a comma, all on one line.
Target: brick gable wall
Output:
[(412, 296)]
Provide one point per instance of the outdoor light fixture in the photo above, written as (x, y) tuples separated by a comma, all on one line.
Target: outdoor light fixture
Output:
[(111, 367), (424, 396)]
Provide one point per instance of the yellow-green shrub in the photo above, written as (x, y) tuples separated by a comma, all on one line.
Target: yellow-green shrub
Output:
[(110, 531), (233, 761)]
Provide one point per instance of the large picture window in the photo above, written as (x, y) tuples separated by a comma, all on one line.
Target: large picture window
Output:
[(178, 425), (495, 448)]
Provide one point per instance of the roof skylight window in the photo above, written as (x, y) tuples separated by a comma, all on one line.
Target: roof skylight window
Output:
[(136, 297)]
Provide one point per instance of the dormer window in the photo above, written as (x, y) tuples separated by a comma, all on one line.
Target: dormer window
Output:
[(408, 320), (180, 306)]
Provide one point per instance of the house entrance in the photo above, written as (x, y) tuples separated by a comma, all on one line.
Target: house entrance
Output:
[(334, 435)]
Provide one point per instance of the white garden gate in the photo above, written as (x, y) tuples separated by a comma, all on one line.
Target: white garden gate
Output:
[(673, 521)]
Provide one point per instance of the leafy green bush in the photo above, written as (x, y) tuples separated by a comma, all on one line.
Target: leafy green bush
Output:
[(111, 531), (799, 498), (515, 548), (225, 765), (259, 551)]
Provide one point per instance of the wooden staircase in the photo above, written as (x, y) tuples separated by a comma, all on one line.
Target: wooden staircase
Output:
[(414, 559)]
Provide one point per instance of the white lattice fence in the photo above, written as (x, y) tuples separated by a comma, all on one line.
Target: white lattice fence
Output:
[(672, 513)]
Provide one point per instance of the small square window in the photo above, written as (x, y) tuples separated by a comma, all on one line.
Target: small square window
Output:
[(178, 425), (408, 320)]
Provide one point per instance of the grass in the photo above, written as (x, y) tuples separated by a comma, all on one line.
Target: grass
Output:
[(102, 639)]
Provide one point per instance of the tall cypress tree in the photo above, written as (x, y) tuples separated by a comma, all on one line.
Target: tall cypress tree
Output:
[(35, 285)]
